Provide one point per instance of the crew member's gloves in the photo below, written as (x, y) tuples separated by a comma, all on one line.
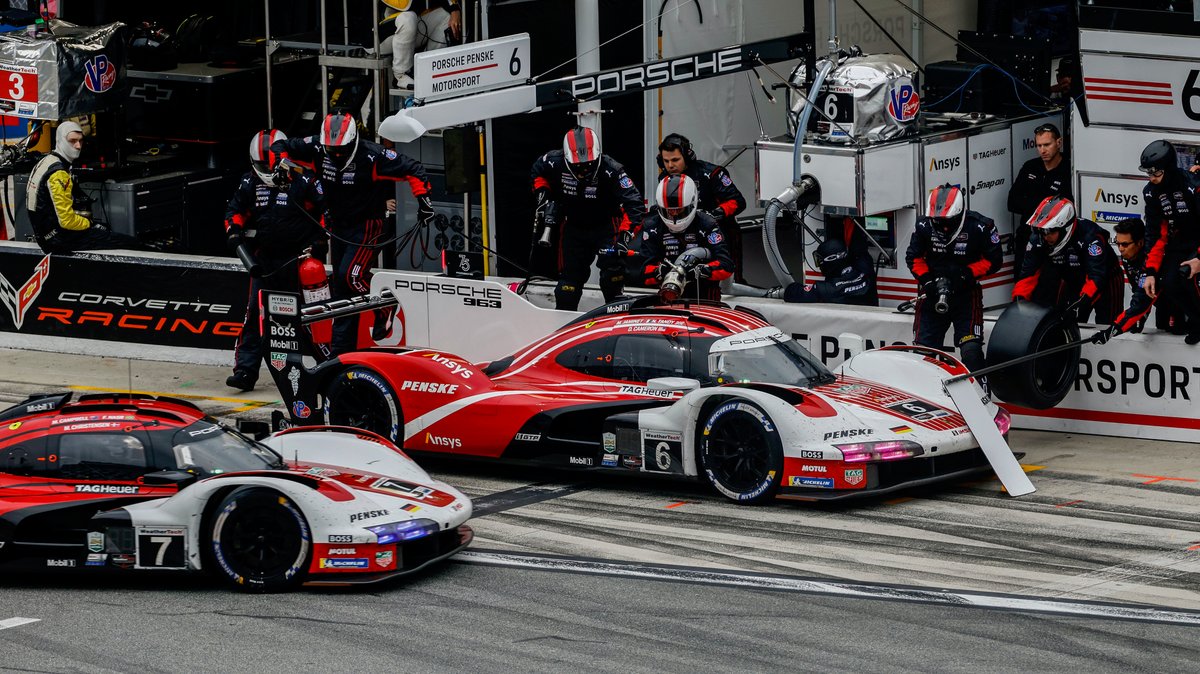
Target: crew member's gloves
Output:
[(704, 271), (717, 214), (234, 238), (1102, 336), (962, 277), (625, 238), (424, 210), (280, 177), (98, 227)]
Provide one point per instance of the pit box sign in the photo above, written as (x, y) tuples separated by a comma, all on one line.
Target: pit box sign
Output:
[(473, 68), (1127, 87), (74, 70)]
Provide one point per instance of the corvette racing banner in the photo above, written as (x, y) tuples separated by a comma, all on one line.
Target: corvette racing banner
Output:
[(176, 301)]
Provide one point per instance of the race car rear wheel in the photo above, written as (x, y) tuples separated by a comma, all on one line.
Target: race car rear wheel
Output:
[(361, 398), (740, 452), (259, 541)]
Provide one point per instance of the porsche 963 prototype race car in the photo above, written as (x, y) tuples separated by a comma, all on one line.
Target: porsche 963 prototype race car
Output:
[(693, 390), (127, 482)]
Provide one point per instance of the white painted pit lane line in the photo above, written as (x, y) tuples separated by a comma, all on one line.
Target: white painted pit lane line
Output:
[(17, 622), (757, 581)]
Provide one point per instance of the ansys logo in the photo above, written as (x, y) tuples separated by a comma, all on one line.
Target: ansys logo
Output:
[(18, 300)]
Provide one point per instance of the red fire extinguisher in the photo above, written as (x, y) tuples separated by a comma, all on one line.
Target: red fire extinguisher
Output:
[(314, 287)]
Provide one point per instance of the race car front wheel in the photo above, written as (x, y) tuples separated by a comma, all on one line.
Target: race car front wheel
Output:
[(361, 398), (259, 540), (740, 452)]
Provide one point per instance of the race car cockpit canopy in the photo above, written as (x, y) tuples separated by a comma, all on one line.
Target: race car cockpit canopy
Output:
[(762, 355), (212, 449)]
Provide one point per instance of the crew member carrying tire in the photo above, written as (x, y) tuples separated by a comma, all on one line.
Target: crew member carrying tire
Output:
[(1068, 262), (951, 249), (599, 206), (277, 215), (677, 225)]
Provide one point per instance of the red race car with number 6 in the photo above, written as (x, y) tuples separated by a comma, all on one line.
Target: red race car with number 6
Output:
[(693, 390)]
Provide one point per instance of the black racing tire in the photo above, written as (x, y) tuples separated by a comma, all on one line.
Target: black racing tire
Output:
[(1025, 328), (361, 398), (739, 451), (259, 541)]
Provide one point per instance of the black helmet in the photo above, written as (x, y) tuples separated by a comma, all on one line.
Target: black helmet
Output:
[(831, 257), (1158, 156)]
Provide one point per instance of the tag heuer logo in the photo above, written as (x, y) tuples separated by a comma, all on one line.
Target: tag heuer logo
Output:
[(854, 476), (282, 305), (278, 360)]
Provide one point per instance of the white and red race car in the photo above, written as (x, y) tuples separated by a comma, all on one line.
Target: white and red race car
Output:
[(693, 390), (125, 482)]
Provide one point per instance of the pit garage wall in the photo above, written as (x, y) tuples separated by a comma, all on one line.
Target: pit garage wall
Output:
[(141, 305), (188, 309)]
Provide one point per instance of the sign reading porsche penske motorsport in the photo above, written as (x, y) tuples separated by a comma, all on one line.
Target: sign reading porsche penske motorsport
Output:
[(472, 68)]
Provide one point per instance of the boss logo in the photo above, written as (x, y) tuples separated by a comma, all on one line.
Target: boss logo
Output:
[(282, 330)]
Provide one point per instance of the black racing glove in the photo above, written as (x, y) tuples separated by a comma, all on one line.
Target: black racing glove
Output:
[(280, 177), (1102, 336), (717, 214), (425, 211), (704, 271), (319, 250), (625, 238)]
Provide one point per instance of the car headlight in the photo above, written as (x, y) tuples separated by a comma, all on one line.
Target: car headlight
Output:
[(1003, 420), (404, 531), (886, 450)]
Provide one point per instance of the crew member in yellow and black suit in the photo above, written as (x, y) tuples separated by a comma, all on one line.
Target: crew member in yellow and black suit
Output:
[(58, 208)]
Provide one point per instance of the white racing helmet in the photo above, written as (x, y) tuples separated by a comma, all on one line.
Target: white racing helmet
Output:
[(1055, 213), (676, 198), (581, 149), (262, 160)]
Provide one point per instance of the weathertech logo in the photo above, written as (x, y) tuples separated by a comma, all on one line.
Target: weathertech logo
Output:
[(18, 300)]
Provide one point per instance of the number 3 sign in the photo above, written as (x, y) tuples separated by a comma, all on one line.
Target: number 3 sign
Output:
[(18, 83)]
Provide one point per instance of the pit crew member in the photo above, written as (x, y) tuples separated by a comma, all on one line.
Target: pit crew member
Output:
[(358, 177), (1068, 262), (842, 282), (58, 209), (1047, 175), (951, 249), (675, 226), (598, 206), (277, 220), (719, 197), (1172, 232)]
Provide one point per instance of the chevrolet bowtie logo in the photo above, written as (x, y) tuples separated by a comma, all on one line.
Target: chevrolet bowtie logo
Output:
[(151, 93)]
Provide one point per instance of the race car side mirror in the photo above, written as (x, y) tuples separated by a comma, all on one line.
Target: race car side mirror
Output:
[(164, 478), (673, 384)]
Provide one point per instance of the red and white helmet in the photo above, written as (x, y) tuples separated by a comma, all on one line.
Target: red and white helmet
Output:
[(676, 198), (1055, 213), (339, 137), (262, 160), (946, 208), (581, 148)]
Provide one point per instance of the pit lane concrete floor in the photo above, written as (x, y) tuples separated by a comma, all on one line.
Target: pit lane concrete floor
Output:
[(1114, 520)]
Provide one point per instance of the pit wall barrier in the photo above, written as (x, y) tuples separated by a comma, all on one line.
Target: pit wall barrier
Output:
[(186, 308)]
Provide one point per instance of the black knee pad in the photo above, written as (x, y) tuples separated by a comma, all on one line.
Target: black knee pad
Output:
[(971, 350), (567, 297)]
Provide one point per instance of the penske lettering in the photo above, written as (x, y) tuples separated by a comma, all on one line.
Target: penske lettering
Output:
[(428, 387), (367, 515), (849, 433)]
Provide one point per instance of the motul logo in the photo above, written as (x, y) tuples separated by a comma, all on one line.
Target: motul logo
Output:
[(18, 300)]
